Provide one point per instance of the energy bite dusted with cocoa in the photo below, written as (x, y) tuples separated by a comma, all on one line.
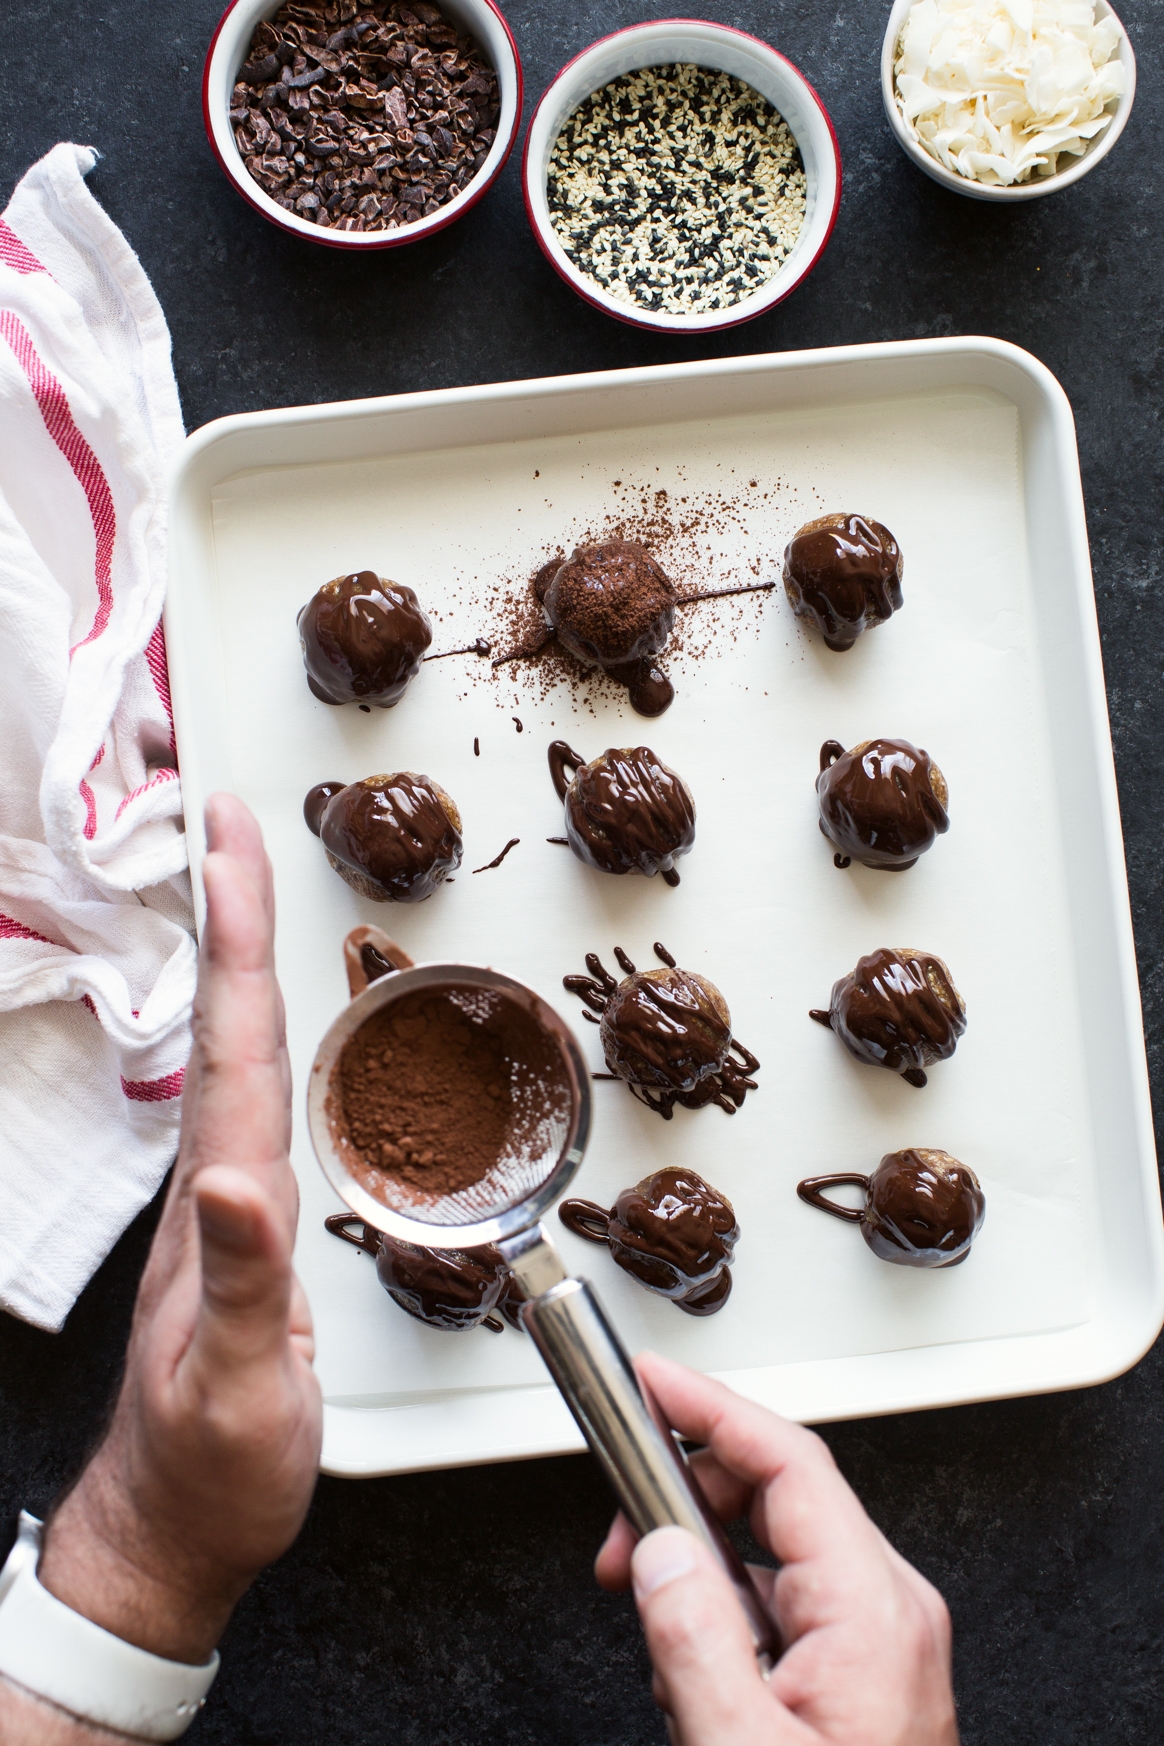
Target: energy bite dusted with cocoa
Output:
[(667, 1033), (393, 838), (842, 573), (363, 117), (674, 1232), (363, 639), (922, 1208), (897, 1009), (451, 1289), (626, 812), (444, 1088), (883, 804), (613, 607)]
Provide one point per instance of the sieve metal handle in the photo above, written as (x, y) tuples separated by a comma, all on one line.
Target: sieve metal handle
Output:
[(646, 1468)]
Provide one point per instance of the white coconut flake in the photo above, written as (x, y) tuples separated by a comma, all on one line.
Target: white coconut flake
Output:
[(998, 90)]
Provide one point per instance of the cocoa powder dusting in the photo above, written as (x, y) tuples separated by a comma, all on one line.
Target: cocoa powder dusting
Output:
[(691, 534), (443, 1087), (425, 1094)]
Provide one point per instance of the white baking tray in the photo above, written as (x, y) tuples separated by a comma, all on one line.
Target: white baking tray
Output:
[(966, 449)]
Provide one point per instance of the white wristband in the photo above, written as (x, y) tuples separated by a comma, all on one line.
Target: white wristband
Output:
[(59, 1655)]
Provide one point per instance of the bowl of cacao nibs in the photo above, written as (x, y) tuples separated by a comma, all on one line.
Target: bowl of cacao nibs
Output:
[(362, 123), (681, 176)]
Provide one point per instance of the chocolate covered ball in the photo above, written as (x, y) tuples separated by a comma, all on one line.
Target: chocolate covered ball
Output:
[(453, 1289), (393, 838), (626, 812), (842, 573), (447, 1288), (669, 1028), (613, 607), (363, 639), (922, 1208), (898, 1009), (882, 804), (674, 1232)]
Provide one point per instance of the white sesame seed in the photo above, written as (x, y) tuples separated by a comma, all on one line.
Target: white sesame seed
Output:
[(677, 187)]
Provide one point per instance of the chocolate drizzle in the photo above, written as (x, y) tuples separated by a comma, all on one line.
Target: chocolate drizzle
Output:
[(667, 1034), (393, 838), (922, 1208), (316, 801), (374, 963), (897, 1009), (451, 1289), (723, 593), (362, 639), (673, 1232), (883, 803), (527, 653), (497, 859), (842, 573), (480, 647), (626, 812), (648, 687)]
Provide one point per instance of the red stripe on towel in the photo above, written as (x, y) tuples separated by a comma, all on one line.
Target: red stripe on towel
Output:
[(159, 776), (154, 1090), (155, 655), (10, 929), (14, 254), (54, 409)]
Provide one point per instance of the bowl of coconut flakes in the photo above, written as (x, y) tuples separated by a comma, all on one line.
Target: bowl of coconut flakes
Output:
[(1006, 99)]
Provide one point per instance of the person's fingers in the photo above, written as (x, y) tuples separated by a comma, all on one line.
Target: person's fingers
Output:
[(705, 1666), (728, 1496), (612, 1566), (302, 1331), (932, 1602), (232, 828), (237, 1109), (806, 1509), (236, 1102), (244, 1314)]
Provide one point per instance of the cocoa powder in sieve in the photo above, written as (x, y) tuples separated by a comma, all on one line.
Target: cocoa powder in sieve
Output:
[(426, 1088)]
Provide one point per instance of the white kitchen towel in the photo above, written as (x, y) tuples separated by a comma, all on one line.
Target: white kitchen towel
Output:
[(97, 956)]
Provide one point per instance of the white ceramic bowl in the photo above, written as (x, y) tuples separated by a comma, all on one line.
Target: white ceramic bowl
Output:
[(705, 45), (1031, 190), (479, 19)]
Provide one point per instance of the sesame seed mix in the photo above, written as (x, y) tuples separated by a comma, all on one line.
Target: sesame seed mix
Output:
[(677, 188)]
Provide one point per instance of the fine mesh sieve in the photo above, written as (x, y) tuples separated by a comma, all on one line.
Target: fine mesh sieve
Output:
[(544, 1142), (550, 1104)]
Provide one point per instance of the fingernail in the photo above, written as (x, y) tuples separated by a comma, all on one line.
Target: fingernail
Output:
[(660, 1557)]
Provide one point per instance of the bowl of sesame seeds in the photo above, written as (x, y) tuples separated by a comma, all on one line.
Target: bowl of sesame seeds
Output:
[(363, 124), (681, 176)]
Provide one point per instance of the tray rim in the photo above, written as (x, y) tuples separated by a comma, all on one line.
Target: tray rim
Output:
[(1092, 1352)]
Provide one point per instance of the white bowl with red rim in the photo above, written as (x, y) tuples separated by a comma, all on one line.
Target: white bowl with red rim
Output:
[(718, 47), (229, 48)]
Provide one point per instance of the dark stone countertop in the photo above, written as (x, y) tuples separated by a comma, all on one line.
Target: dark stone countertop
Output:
[(459, 1607)]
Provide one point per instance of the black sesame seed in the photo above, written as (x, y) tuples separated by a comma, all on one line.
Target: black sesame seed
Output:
[(656, 173)]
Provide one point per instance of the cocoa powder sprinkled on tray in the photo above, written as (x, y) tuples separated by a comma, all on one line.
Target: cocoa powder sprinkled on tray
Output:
[(689, 532), (363, 117)]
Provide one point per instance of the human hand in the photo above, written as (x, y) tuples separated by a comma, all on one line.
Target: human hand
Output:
[(867, 1661), (210, 1460)]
